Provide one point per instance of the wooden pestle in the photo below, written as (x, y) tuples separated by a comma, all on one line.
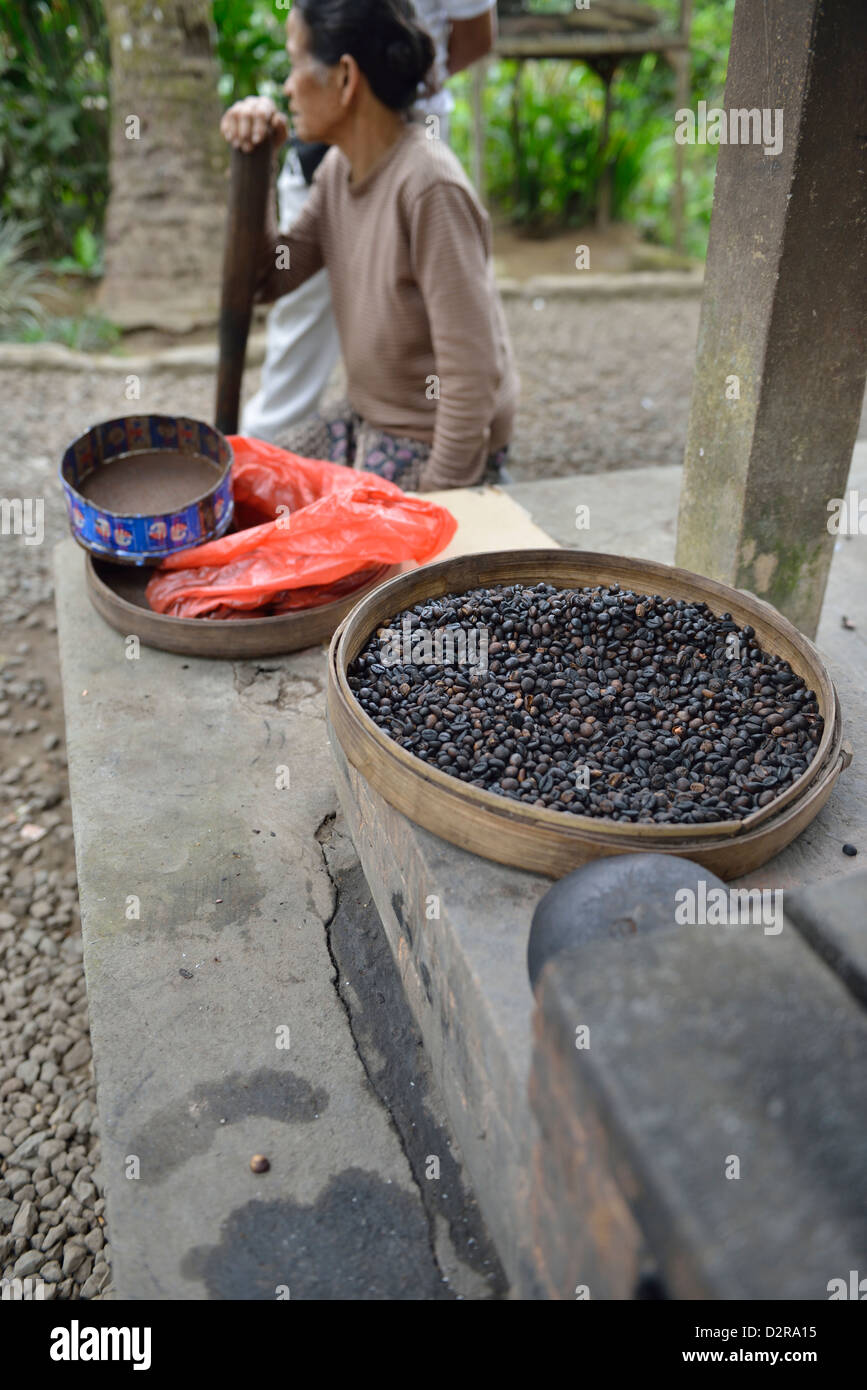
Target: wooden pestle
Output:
[(248, 194)]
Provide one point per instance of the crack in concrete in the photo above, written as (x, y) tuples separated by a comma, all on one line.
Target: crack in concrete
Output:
[(322, 833)]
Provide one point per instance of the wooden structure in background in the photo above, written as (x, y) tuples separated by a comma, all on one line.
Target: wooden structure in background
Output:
[(603, 36)]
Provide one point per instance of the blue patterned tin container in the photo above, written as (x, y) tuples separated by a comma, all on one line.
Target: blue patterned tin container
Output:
[(189, 451)]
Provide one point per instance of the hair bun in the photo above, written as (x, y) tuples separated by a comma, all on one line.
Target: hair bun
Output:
[(409, 57), (399, 54), (395, 53)]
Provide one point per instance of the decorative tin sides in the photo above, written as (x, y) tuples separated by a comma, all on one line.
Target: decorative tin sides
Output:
[(145, 538)]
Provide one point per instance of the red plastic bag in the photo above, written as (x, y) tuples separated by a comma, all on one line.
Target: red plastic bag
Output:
[(314, 531)]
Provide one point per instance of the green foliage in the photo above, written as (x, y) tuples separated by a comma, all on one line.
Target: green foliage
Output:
[(550, 175), (650, 203), (22, 282), (26, 294), (544, 157), (251, 47), (85, 333), (86, 258), (54, 77), (53, 118)]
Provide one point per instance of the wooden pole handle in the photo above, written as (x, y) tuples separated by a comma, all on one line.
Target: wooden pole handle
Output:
[(248, 195)]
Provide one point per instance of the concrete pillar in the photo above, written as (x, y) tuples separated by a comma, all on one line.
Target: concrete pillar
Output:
[(782, 351)]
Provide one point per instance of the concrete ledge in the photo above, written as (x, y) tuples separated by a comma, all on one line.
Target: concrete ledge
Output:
[(639, 284), (47, 357), (663, 284), (203, 805)]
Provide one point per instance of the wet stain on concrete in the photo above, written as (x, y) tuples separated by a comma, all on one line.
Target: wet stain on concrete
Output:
[(183, 893), (362, 1239), (186, 1127), (239, 889)]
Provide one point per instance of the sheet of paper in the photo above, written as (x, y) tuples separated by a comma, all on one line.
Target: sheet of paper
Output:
[(488, 519)]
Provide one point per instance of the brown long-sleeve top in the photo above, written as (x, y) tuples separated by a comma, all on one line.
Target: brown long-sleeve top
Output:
[(421, 324)]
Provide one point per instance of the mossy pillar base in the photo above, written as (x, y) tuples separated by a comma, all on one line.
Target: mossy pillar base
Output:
[(782, 350)]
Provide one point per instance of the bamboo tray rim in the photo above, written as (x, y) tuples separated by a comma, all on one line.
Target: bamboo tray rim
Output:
[(426, 583), (698, 850), (597, 829)]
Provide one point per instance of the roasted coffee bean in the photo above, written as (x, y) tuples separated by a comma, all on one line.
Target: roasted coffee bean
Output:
[(594, 689)]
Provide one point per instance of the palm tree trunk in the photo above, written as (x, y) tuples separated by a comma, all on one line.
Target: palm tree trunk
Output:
[(166, 211)]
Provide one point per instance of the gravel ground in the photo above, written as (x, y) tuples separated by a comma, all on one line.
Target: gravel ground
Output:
[(605, 386), (51, 1221)]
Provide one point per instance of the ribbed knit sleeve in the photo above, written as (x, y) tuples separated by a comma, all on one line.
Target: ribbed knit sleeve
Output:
[(293, 256), (450, 258)]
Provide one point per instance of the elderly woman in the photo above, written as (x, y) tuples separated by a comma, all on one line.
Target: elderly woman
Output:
[(431, 380)]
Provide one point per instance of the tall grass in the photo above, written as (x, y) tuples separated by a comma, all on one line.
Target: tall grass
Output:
[(23, 284)]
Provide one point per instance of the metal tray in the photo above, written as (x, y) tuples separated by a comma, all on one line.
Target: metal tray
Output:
[(117, 592)]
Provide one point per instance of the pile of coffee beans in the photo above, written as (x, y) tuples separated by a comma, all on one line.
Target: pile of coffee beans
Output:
[(601, 701)]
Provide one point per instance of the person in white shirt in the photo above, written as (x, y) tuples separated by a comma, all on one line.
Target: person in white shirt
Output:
[(463, 32), (302, 347)]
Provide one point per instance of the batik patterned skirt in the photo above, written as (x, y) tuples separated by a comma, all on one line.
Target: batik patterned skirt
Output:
[(340, 435)]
